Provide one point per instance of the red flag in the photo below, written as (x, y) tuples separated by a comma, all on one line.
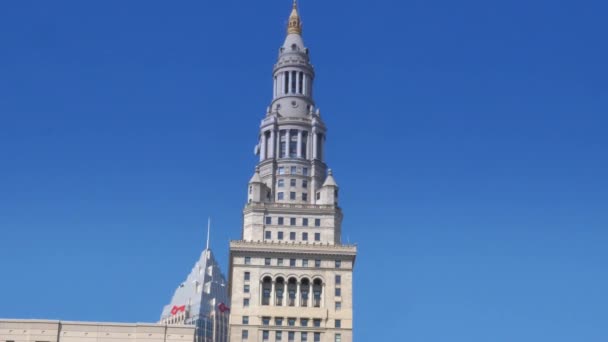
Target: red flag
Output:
[(223, 308), (177, 309)]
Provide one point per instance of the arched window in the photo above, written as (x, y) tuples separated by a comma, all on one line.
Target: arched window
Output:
[(317, 290), (279, 291), (304, 292), (266, 288), (292, 288)]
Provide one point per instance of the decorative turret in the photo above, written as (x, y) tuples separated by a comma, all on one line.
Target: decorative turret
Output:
[(329, 190), (257, 188)]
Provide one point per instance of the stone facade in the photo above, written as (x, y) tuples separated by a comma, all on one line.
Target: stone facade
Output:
[(59, 331), (290, 275)]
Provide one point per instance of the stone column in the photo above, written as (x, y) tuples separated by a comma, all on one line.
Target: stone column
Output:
[(271, 144), (314, 143), (298, 295), (272, 294), (323, 295), (263, 141), (305, 84), (299, 147)]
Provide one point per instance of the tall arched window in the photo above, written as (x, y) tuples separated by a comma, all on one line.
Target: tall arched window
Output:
[(279, 291), (304, 292), (317, 290), (266, 288)]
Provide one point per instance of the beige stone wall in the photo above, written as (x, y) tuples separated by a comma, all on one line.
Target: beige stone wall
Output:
[(327, 313), (58, 331)]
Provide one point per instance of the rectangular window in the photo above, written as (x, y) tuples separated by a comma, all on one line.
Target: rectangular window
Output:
[(338, 263), (247, 276), (292, 182), (267, 261), (292, 221), (292, 195), (305, 222), (317, 263), (304, 236), (305, 184), (246, 302), (316, 323), (292, 262), (281, 170), (338, 323), (293, 145), (245, 334), (304, 262), (279, 336), (268, 235), (291, 336), (338, 279), (304, 196), (280, 235), (338, 292), (317, 222), (338, 306), (280, 196), (268, 220), (338, 338), (281, 183), (305, 171), (304, 322), (265, 320), (245, 319), (304, 336), (247, 260), (318, 196), (278, 321), (317, 236), (265, 335), (294, 170), (246, 288), (292, 236), (317, 337), (281, 220), (280, 261), (291, 322)]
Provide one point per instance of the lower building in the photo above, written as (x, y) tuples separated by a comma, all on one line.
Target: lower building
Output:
[(63, 331)]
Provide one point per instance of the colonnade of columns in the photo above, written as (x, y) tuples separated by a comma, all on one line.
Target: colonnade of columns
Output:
[(292, 82), (308, 145), (296, 294)]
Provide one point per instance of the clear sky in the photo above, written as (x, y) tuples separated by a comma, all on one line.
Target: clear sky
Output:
[(469, 139)]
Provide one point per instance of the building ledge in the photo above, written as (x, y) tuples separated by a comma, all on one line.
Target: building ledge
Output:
[(290, 247)]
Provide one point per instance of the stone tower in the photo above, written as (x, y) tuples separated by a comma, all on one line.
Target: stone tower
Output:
[(290, 275)]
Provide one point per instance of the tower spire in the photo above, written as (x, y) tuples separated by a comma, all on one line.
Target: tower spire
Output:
[(208, 231), (295, 24)]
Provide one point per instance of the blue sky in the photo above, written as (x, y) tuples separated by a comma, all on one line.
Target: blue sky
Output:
[(469, 139)]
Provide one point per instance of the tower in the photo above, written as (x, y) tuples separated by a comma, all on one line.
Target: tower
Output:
[(290, 276)]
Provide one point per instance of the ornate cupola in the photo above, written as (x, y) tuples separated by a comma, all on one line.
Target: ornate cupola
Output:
[(295, 24)]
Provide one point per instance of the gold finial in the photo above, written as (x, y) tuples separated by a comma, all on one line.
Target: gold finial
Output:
[(295, 24)]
